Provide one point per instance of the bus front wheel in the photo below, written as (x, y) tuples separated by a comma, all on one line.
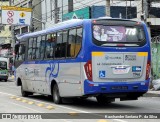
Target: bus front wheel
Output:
[(104, 99), (25, 93), (56, 97)]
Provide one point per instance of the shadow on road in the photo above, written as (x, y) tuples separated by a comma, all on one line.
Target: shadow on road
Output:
[(89, 103)]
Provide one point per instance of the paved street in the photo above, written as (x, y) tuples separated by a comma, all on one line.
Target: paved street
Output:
[(12, 102)]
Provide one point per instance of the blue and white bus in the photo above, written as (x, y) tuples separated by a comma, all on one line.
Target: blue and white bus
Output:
[(104, 58)]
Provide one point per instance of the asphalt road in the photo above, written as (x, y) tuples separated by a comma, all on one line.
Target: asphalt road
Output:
[(77, 110)]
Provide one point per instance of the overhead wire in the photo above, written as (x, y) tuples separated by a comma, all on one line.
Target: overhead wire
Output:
[(77, 8), (98, 10)]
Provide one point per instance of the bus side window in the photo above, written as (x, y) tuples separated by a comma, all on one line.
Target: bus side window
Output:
[(42, 47), (78, 41), (34, 48), (71, 43), (38, 47), (30, 44), (17, 50), (64, 44), (22, 52), (54, 39), (58, 46), (49, 47)]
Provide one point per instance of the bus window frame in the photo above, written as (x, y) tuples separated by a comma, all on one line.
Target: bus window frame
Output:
[(29, 48), (75, 56), (34, 48), (42, 58), (38, 48), (60, 31)]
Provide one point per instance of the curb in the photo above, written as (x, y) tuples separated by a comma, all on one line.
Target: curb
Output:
[(152, 94)]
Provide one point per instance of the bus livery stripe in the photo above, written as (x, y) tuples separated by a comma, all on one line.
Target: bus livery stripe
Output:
[(142, 53), (97, 53)]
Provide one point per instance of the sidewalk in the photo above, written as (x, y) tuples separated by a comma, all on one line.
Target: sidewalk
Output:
[(152, 94)]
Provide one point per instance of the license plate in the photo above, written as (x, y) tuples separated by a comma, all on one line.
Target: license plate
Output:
[(119, 87), (120, 71)]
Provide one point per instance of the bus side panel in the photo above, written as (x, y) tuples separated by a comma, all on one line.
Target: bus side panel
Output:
[(20, 73), (69, 78), (84, 77), (86, 51)]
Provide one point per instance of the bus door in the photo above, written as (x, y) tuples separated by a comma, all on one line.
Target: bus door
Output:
[(20, 66), (30, 66)]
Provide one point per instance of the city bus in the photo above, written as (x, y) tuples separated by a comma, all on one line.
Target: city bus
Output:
[(4, 68), (104, 58)]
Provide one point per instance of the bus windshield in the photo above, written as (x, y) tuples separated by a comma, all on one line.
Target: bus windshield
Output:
[(118, 34), (3, 65)]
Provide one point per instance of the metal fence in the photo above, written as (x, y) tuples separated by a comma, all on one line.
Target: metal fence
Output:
[(155, 44)]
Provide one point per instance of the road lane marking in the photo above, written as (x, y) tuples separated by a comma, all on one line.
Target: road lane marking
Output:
[(48, 103), (24, 101), (62, 106), (40, 104), (13, 97), (50, 107), (26, 107), (18, 99), (102, 120), (30, 103)]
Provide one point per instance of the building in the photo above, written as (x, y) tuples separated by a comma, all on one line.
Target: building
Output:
[(36, 15), (130, 9), (5, 35)]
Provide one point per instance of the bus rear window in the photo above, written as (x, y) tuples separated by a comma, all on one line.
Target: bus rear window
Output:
[(104, 34)]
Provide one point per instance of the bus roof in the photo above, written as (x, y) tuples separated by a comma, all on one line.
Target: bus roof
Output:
[(59, 26)]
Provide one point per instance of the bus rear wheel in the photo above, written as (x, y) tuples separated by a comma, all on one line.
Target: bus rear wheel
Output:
[(56, 97), (25, 93), (104, 99)]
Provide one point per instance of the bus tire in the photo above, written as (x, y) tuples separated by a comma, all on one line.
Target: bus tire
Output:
[(5, 80), (25, 93), (56, 97), (104, 100)]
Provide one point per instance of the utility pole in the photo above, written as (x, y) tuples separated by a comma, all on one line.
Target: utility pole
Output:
[(146, 7), (55, 11), (13, 38), (146, 4), (70, 5), (62, 11), (126, 10), (108, 8)]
